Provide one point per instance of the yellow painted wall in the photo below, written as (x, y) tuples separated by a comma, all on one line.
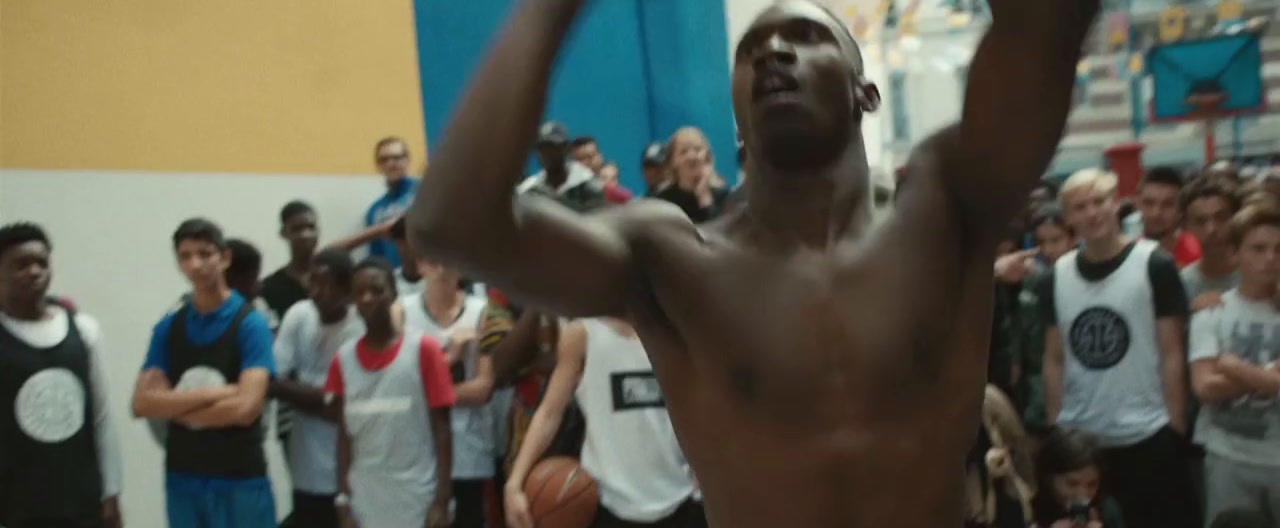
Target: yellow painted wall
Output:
[(302, 86)]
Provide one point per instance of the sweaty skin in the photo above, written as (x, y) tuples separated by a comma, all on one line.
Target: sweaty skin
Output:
[(820, 370)]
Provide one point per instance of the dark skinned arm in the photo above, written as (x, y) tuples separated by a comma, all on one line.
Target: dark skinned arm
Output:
[(463, 217), (1016, 107), (344, 461), (442, 434), (515, 350), (304, 398)]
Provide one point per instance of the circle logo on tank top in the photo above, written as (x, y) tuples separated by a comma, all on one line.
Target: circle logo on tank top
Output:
[(50, 406), (1099, 338), (200, 377)]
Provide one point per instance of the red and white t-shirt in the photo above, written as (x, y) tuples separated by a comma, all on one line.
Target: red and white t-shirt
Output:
[(388, 398), (436, 379)]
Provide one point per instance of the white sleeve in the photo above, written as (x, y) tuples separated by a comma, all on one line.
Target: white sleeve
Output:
[(1202, 342), (108, 444), (286, 345)]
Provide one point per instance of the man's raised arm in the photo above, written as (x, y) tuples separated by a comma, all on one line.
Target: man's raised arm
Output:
[(464, 215), (1016, 104)]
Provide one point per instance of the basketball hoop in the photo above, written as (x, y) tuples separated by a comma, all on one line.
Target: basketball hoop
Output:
[(1208, 108)]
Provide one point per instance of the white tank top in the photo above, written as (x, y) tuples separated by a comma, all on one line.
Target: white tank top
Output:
[(474, 446), (1112, 354), (393, 464), (630, 446)]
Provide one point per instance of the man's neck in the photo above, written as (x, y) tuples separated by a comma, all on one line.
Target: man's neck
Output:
[(381, 332), (557, 177), (328, 318), (1105, 248), (209, 299), (815, 207), (1256, 290), (27, 311), (298, 266), (1216, 263), (442, 301), (394, 183)]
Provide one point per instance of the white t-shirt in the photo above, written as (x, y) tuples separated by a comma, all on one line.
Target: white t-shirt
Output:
[(1112, 380), (630, 447), (304, 349), (1246, 430), (49, 332), (474, 446), (578, 174)]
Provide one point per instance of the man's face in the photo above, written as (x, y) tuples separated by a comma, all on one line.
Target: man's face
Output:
[(654, 176), (589, 155), (202, 262), (373, 293), (608, 174), (1159, 206), (1208, 219), (793, 86), (1091, 213), (554, 158), (301, 232), (393, 161), (246, 283), (1054, 241), (1259, 254), (435, 273), (25, 273), (330, 295)]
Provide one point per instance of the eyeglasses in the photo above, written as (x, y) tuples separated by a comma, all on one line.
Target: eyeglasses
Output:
[(392, 157)]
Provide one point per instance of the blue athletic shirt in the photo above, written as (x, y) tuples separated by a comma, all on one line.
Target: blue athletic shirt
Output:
[(255, 342), (392, 204)]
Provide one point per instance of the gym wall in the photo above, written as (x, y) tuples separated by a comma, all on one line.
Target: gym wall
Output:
[(120, 119)]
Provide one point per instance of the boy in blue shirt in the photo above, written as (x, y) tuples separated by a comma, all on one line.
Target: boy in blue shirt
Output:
[(206, 372)]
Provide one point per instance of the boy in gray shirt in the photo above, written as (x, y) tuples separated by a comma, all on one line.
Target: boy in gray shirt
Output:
[(1233, 353), (1207, 207)]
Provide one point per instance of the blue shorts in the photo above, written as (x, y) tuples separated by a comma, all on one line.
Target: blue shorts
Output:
[(206, 502)]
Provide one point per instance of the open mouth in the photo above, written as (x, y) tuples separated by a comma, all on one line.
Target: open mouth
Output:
[(775, 86)]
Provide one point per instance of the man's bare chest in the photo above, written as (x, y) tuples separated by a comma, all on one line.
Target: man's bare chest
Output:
[(767, 335)]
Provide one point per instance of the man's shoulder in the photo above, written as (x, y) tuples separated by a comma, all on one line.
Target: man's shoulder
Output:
[(88, 327), (300, 312), (1163, 262)]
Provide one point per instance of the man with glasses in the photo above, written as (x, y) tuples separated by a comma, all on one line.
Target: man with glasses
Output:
[(392, 157)]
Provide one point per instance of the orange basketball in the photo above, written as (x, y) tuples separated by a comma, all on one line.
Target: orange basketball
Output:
[(561, 494)]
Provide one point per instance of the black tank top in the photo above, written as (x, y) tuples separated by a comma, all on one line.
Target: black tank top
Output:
[(49, 472), (228, 452)]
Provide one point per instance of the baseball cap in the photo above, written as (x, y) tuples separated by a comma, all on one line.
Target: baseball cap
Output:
[(655, 155), (553, 133)]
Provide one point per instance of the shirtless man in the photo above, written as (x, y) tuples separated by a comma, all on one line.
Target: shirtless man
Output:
[(819, 370)]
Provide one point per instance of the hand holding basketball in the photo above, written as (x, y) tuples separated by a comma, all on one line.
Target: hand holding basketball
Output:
[(560, 494), (517, 507)]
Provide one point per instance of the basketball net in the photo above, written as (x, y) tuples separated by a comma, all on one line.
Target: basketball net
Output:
[(1208, 109)]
